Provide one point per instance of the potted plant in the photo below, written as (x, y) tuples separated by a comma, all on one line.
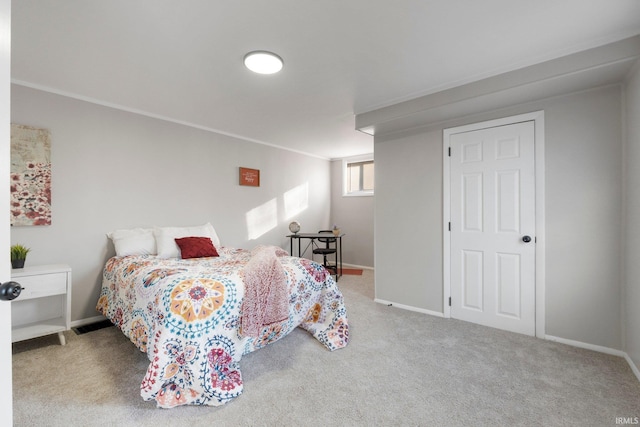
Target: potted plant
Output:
[(336, 230), (18, 255)]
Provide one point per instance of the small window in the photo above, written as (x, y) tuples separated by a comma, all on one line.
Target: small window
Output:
[(358, 176)]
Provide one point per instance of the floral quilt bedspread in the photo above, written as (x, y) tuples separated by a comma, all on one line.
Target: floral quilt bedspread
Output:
[(186, 315)]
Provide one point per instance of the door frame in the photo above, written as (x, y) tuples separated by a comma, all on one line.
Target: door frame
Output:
[(538, 118), (6, 375)]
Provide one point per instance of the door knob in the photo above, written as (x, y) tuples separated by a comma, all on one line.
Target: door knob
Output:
[(10, 291), (526, 239)]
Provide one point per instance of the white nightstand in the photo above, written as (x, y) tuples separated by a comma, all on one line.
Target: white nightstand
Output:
[(44, 305)]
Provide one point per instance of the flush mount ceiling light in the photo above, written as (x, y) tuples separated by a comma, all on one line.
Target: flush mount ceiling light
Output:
[(263, 62)]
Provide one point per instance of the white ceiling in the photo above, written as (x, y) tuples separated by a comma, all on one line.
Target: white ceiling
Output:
[(182, 60)]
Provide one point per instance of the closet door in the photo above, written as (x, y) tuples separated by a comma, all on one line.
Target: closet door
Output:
[(492, 185)]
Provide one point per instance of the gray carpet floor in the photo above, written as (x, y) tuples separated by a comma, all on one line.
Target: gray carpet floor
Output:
[(400, 369)]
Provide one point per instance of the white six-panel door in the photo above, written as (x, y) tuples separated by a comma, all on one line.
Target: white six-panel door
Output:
[(492, 193)]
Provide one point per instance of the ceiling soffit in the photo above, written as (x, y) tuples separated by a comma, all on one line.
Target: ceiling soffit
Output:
[(590, 68)]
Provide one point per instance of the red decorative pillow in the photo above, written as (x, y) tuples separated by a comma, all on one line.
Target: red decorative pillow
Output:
[(196, 247)]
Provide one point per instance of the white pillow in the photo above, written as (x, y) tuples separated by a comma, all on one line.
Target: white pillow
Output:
[(135, 241), (166, 243)]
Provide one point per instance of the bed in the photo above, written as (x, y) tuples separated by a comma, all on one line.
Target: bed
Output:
[(196, 317)]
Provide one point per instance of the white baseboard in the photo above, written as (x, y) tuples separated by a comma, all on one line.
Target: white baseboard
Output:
[(633, 366), (87, 321), (408, 307), (598, 348), (364, 267), (579, 344)]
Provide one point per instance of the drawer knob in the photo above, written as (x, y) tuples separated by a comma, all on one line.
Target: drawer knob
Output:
[(10, 291)]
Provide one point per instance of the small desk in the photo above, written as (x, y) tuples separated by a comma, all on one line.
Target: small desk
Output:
[(313, 236)]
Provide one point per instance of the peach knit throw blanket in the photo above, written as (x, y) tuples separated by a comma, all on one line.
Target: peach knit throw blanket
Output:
[(266, 295)]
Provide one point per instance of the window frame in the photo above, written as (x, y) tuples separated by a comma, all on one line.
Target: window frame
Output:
[(345, 164)]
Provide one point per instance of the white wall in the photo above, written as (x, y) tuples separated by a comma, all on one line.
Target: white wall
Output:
[(408, 212), (631, 311), (354, 216), (584, 217), (113, 169), (583, 144)]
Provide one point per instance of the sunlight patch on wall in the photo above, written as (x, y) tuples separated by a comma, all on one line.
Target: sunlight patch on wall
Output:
[(262, 219), (296, 200)]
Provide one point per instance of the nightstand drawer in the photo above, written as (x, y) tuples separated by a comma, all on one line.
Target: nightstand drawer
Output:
[(42, 285)]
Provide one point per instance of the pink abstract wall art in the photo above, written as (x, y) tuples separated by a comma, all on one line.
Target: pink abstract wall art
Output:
[(30, 176)]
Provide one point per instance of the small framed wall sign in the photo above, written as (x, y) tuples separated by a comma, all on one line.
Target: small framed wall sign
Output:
[(250, 177)]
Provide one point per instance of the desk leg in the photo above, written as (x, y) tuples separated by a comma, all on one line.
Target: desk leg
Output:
[(291, 246)]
